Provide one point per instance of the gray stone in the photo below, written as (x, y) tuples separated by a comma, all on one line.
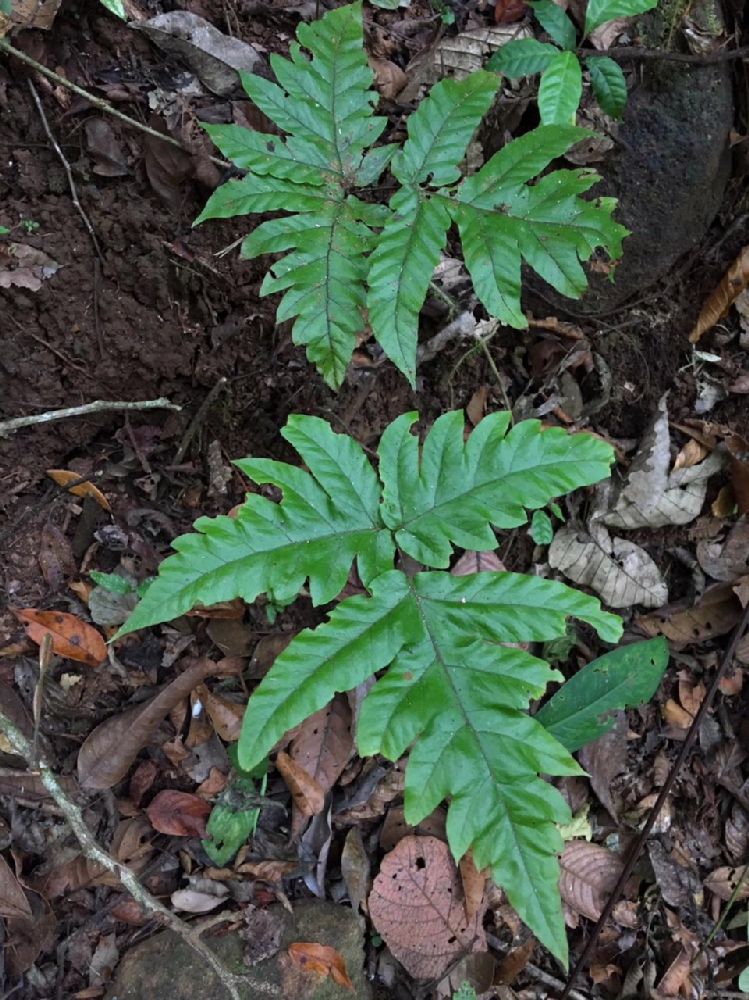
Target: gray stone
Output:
[(164, 966)]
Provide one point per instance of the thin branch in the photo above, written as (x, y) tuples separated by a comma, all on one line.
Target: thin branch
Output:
[(102, 105), (68, 171), (125, 875), (198, 419), (659, 802), (625, 53), (98, 406)]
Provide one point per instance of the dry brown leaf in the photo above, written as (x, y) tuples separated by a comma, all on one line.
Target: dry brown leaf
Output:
[(108, 751), (26, 938), (740, 385), (476, 407), (474, 884), (416, 905), (604, 759), (715, 614), (395, 827), (589, 873), (691, 695), (29, 14), (24, 266), (691, 454), (225, 715), (268, 871), (724, 504), (13, 901), (477, 562), (738, 449), (676, 977), (355, 869), (729, 559), (321, 960), (513, 964), (676, 716), (65, 476), (723, 881), (130, 912), (179, 814), (741, 590), (71, 638), (55, 557), (389, 78), (509, 11), (733, 283), (324, 742), (306, 791)]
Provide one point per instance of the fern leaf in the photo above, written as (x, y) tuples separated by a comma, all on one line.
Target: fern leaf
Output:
[(456, 490), (324, 522)]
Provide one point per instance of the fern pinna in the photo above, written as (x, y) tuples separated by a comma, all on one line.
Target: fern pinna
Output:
[(450, 688), (349, 261)]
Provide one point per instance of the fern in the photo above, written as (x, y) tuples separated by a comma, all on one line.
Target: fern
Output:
[(349, 262), (451, 690)]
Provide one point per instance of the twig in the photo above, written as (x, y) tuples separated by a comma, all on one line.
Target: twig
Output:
[(198, 419), (68, 171), (102, 105), (98, 406), (664, 792), (627, 54), (122, 873)]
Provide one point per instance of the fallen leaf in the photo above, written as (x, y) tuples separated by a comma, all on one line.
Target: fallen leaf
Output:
[(306, 791), (225, 715), (71, 638), (509, 11), (738, 449), (691, 695), (55, 557), (355, 869), (716, 613), (65, 476), (263, 932), (720, 301), (108, 751), (179, 814), (26, 267), (604, 36), (106, 150), (103, 961), (675, 715), (29, 14), (474, 884), (723, 882), (729, 559), (589, 873), (605, 759), (197, 901), (416, 905), (676, 978), (477, 562), (324, 742), (13, 901), (130, 912), (322, 960), (389, 78), (691, 454)]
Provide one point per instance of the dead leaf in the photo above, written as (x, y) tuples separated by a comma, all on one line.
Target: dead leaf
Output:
[(130, 912), (716, 613), (103, 961), (474, 884), (179, 814), (201, 900), (389, 78), (71, 638), (29, 14), (476, 406), (738, 449), (108, 751), (729, 559), (324, 742), (604, 36), (225, 715), (355, 869), (321, 960), (605, 759), (13, 901), (677, 977), (65, 476), (676, 716), (263, 932), (55, 557), (723, 881), (731, 286), (477, 562), (107, 152), (509, 11), (691, 454), (589, 873), (23, 266), (306, 791), (691, 695), (416, 905)]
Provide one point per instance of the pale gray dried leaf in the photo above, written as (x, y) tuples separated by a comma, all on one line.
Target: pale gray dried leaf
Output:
[(620, 572), (212, 55), (588, 874), (110, 609), (729, 559), (196, 901), (104, 960), (26, 267), (105, 148), (678, 885)]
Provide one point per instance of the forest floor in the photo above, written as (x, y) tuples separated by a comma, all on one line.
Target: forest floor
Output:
[(154, 308)]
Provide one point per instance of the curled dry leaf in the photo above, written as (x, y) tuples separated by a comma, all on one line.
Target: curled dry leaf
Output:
[(320, 960), (13, 901), (416, 905), (389, 78), (589, 873), (723, 882), (731, 286), (324, 742), (225, 715), (179, 814), (474, 884), (63, 477), (108, 751), (306, 791), (197, 901), (72, 638)]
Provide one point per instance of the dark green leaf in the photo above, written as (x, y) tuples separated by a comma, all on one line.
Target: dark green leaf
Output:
[(554, 21), (560, 89), (608, 84)]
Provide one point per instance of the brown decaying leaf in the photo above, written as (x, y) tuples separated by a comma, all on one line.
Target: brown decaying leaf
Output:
[(71, 638), (589, 873), (130, 912), (389, 78), (477, 562), (691, 454), (723, 881), (65, 476), (476, 407), (306, 791), (28, 937), (225, 715), (715, 614), (738, 448), (355, 869), (509, 11), (321, 960), (55, 556), (728, 559), (732, 284), (474, 884), (604, 759), (13, 901), (676, 978), (179, 814), (416, 905), (324, 742), (108, 751)]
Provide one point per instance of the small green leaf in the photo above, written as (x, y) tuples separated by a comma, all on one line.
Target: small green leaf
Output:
[(600, 11), (579, 712), (4, 231), (522, 57), (116, 7), (113, 582), (560, 89), (465, 992), (608, 83), (554, 21), (541, 529), (744, 979)]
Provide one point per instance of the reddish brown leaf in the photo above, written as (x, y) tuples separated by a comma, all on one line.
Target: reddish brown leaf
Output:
[(71, 638), (308, 795), (13, 901), (107, 752), (179, 814), (225, 715), (389, 77), (509, 11), (715, 614), (65, 476), (589, 873), (417, 906), (474, 884), (130, 912), (476, 407), (321, 960), (324, 742), (723, 881), (731, 286)]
